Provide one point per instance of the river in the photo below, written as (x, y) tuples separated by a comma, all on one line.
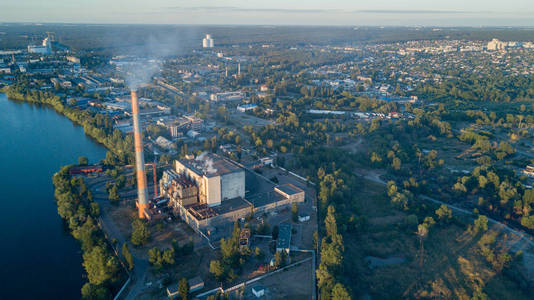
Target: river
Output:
[(38, 257)]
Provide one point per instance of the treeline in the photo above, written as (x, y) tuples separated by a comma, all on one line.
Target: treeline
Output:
[(499, 193), (77, 208), (97, 126), (339, 216), (496, 88)]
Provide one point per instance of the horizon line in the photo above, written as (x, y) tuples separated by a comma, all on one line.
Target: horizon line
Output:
[(37, 23)]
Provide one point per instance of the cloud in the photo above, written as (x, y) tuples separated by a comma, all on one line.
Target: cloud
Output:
[(318, 11), (243, 9), (424, 12)]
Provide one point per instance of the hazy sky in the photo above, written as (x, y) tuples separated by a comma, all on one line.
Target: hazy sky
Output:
[(291, 12)]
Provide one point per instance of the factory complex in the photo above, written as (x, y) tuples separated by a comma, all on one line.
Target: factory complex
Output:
[(210, 191)]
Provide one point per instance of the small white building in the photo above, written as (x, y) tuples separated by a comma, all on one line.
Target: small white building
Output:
[(258, 291), (304, 218), (246, 107), (193, 134)]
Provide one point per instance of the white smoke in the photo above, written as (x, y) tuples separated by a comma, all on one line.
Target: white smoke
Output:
[(209, 167), (207, 163), (149, 57)]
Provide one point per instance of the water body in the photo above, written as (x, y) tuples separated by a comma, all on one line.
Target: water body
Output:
[(38, 257)]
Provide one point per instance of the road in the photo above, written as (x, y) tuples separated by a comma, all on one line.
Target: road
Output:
[(140, 263)]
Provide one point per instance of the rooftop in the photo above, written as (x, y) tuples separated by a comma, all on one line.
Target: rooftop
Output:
[(202, 211), (229, 205), (284, 236), (289, 189), (210, 165)]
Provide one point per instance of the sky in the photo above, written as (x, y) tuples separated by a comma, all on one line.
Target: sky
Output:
[(274, 12)]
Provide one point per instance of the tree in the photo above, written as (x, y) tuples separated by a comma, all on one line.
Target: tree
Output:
[(168, 256), (155, 258), (140, 233), (330, 222), (340, 293), (396, 164), (280, 259), (99, 265), (294, 212), (94, 292), (183, 289), (480, 224), (86, 234), (259, 254), (217, 269), (114, 194), (127, 256), (83, 161), (444, 213), (528, 222)]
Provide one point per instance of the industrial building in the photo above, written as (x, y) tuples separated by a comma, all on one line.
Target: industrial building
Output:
[(218, 179), (208, 192), (228, 96), (208, 41), (48, 46), (178, 126)]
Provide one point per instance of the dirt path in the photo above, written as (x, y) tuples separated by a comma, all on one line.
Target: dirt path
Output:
[(522, 241), (140, 263)]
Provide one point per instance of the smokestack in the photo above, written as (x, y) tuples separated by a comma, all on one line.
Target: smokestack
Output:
[(239, 69), (142, 191)]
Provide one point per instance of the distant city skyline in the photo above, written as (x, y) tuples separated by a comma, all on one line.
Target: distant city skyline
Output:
[(274, 12)]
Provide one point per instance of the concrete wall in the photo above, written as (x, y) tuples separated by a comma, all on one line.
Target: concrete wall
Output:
[(219, 220), (228, 218), (233, 185), (297, 197), (213, 187)]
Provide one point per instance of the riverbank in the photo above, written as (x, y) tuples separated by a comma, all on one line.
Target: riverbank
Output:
[(113, 140)]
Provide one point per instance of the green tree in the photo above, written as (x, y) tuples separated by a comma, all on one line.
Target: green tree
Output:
[(217, 270), (183, 289), (280, 259), (114, 194), (396, 164), (99, 265), (444, 213), (83, 161), (94, 292), (330, 221), (127, 256), (528, 222), (480, 224), (168, 256), (140, 233), (155, 257), (86, 234), (340, 293)]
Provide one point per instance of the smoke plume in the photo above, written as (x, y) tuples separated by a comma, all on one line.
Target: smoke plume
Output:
[(146, 59)]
